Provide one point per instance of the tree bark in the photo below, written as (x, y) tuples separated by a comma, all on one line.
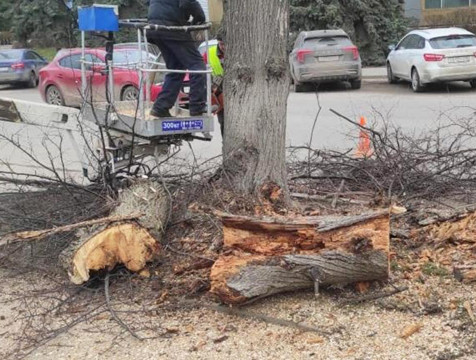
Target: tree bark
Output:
[(256, 92), (131, 243), (270, 256)]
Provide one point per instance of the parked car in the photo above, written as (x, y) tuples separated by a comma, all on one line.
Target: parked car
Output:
[(433, 55), (60, 81), (325, 56), (20, 66)]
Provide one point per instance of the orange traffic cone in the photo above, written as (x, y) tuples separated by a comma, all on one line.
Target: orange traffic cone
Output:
[(364, 147)]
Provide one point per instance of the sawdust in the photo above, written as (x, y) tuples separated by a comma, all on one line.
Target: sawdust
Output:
[(367, 331)]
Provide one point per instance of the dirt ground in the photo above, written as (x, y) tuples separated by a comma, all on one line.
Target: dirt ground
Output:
[(428, 321), (171, 316)]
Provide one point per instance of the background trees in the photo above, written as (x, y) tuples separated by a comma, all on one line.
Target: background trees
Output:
[(372, 24)]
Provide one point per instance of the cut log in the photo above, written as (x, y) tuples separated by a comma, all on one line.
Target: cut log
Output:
[(132, 243), (270, 256), (466, 274)]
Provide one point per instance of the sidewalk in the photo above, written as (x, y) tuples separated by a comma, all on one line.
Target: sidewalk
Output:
[(374, 74)]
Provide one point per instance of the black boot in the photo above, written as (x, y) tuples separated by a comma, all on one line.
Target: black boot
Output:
[(203, 110), (160, 113)]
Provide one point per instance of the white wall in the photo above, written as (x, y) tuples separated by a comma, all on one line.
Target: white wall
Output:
[(204, 4), (413, 8)]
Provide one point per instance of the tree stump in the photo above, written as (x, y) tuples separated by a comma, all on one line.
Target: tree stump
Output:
[(132, 243), (270, 256)]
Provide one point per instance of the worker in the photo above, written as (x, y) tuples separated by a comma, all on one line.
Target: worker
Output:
[(179, 52), (217, 60)]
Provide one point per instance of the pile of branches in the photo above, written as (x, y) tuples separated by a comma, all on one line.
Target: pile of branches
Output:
[(437, 163)]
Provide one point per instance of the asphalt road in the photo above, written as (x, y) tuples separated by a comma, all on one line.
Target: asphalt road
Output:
[(377, 101)]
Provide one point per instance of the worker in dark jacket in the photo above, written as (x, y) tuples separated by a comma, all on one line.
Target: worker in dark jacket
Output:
[(180, 53)]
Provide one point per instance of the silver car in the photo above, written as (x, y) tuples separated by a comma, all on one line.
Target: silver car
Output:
[(433, 55), (325, 56), (20, 66)]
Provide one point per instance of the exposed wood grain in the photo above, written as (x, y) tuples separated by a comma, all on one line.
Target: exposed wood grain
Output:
[(274, 255)]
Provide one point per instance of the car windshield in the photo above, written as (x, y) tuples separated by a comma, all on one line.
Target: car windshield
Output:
[(453, 41), (131, 57), (327, 41), (11, 55)]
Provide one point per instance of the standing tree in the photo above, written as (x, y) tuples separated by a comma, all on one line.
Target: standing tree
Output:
[(256, 92)]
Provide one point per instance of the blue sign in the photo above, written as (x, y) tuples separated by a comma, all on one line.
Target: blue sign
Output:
[(181, 125), (98, 18)]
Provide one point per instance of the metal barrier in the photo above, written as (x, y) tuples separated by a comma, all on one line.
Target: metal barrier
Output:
[(145, 66)]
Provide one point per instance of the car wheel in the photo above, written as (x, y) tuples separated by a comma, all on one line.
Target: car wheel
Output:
[(416, 82), (130, 93), (391, 78), (356, 84), (473, 83), (32, 81), (53, 96)]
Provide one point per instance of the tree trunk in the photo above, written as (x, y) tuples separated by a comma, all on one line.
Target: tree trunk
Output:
[(131, 243), (256, 92), (270, 256)]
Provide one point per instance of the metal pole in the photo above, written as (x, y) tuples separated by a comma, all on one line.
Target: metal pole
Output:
[(110, 66), (209, 77), (83, 65), (147, 81), (141, 75)]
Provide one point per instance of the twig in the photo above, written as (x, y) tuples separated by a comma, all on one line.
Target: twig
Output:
[(257, 317), (371, 297), (376, 133), (337, 194), (187, 254), (38, 235), (113, 313)]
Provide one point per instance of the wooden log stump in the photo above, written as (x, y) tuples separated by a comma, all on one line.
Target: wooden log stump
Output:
[(270, 256), (132, 243)]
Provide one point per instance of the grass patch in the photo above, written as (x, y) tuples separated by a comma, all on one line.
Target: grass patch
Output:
[(47, 53), (432, 269)]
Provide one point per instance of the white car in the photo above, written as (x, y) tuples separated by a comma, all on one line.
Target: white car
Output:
[(433, 55)]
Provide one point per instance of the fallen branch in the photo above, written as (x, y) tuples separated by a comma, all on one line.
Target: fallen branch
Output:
[(113, 313), (41, 234), (372, 297), (329, 198), (257, 317), (267, 256)]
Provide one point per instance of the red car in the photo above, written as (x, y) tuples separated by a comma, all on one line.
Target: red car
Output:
[(60, 81)]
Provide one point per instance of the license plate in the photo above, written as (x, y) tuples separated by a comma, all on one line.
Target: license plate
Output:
[(459, 60), (186, 89), (4, 69), (180, 125), (328, 58)]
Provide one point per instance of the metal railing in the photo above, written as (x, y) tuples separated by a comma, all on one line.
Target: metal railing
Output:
[(146, 66)]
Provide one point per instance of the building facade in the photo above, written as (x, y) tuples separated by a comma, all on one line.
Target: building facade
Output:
[(446, 4), (213, 9), (413, 9)]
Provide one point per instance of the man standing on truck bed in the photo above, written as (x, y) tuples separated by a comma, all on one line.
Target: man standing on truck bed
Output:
[(180, 53)]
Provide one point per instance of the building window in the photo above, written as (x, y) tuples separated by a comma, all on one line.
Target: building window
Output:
[(456, 3), (439, 4)]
